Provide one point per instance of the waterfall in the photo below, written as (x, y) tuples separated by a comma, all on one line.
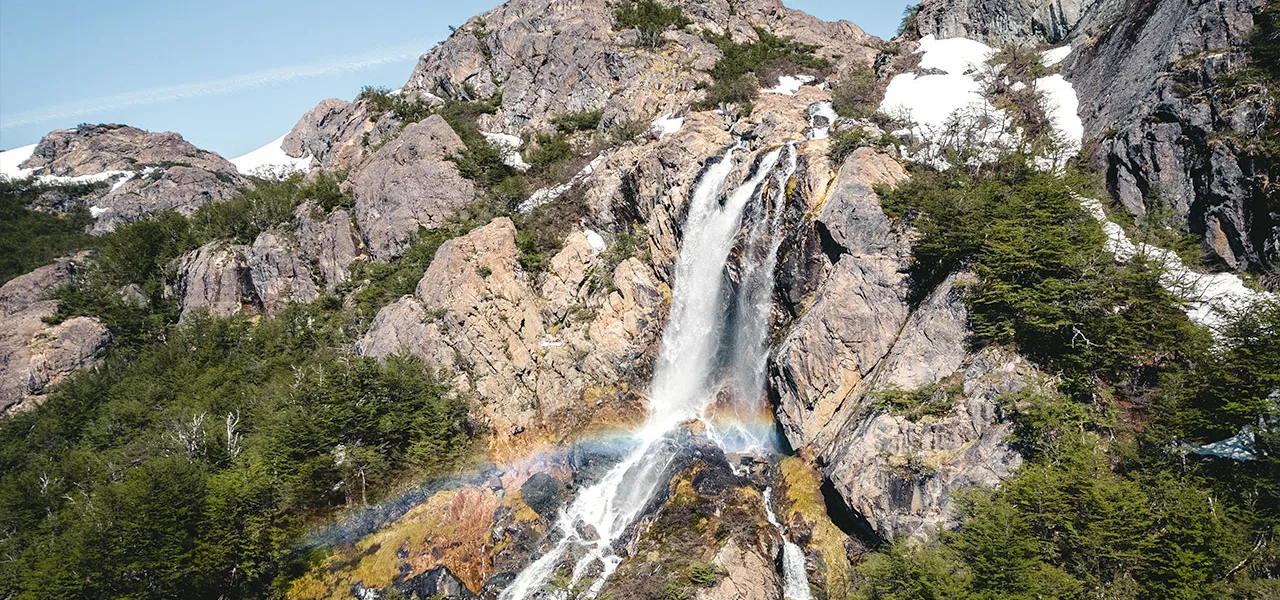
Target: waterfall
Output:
[(685, 378), (794, 578), (745, 424)]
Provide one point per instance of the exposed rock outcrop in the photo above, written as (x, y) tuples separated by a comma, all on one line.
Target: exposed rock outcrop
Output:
[(1173, 139), (278, 273), (1007, 20), (900, 474), (33, 354), (216, 278), (158, 171), (855, 260), (332, 244), (408, 184), (475, 312)]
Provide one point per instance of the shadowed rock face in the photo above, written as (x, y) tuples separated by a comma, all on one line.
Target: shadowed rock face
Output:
[(162, 171), (34, 354), (1008, 20), (1161, 144), (1133, 64)]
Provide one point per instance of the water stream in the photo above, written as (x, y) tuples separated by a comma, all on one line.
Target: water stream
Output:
[(687, 374), (795, 581)]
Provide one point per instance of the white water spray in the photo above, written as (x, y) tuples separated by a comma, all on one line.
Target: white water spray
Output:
[(795, 579), (745, 425), (683, 385)]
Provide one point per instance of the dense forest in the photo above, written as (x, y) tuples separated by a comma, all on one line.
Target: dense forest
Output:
[(1111, 503)]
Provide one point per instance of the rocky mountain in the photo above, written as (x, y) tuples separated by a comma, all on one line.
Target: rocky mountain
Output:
[(664, 259), (151, 172)]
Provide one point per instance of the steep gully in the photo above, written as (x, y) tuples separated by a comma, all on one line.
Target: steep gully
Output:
[(710, 368)]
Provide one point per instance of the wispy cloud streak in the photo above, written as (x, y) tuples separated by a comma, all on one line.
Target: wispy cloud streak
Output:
[(226, 85)]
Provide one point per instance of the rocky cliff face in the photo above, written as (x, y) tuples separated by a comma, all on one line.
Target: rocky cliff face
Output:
[(1173, 139), (281, 266), (1015, 21), (537, 359), (550, 58), (33, 354)]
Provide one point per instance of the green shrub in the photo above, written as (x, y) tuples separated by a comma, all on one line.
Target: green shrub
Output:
[(548, 150), (649, 18), (33, 238), (540, 232), (857, 95), (1046, 282), (586, 120), (927, 401), (842, 143), (704, 574), (381, 101), (737, 76)]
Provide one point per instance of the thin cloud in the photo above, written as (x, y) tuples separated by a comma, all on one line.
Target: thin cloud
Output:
[(226, 85)]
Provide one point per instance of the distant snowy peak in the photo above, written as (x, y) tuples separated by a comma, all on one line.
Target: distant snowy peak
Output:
[(271, 161), (10, 159)]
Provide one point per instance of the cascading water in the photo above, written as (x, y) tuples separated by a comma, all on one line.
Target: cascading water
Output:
[(795, 580), (685, 376), (745, 425)]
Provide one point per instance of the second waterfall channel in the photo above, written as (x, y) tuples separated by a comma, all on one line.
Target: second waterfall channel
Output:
[(714, 345)]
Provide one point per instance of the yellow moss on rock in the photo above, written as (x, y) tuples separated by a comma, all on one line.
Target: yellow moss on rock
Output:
[(450, 529), (803, 495)]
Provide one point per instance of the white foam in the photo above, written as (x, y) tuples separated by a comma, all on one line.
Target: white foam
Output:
[(271, 161), (821, 117), (794, 577)]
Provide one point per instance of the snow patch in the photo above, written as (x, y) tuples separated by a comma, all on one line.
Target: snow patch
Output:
[(667, 125), (953, 56), (596, 242), (10, 159), (1207, 293), (510, 145), (788, 85), (546, 195), (1054, 56), (271, 161), (1062, 106)]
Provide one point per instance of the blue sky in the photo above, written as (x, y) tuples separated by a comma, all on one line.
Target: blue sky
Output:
[(232, 75)]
